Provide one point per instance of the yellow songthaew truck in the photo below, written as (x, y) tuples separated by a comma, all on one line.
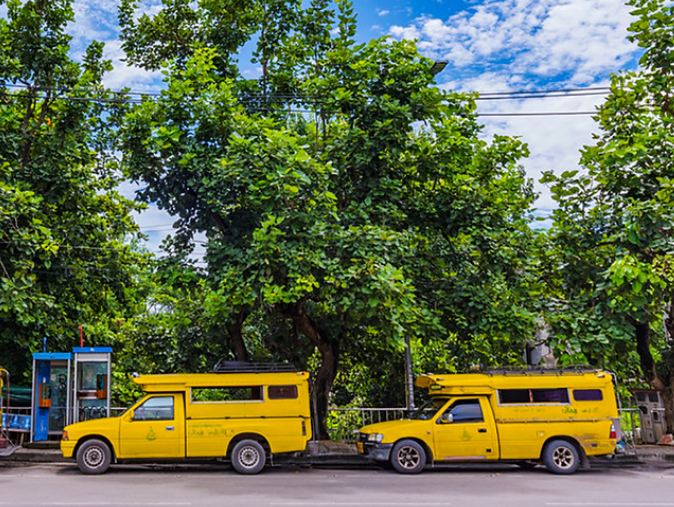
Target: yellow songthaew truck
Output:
[(245, 417), (557, 417)]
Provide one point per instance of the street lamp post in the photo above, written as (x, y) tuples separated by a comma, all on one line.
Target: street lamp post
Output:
[(435, 69)]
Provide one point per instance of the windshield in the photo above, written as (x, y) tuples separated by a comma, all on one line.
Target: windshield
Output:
[(141, 397), (428, 409)]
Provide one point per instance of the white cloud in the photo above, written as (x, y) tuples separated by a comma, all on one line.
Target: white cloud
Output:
[(409, 32), (383, 12), (544, 38), (512, 45), (125, 76)]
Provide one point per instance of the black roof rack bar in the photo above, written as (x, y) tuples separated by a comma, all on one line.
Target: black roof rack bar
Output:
[(250, 367), (538, 371)]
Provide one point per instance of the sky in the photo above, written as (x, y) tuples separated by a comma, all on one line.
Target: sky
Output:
[(491, 46)]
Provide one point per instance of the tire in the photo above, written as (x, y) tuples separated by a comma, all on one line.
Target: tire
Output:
[(408, 457), (93, 457), (248, 457), (561, 457)]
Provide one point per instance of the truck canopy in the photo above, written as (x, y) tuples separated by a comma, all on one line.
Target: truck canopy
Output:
[(486, 383), (180, 382)]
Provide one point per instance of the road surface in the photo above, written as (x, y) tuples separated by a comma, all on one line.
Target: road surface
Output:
[(204, 486)]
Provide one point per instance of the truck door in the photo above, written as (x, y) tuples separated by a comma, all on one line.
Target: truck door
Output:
[(154, 429), (465, 430)]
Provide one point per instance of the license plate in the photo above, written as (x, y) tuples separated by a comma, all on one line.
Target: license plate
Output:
[(359, 445)]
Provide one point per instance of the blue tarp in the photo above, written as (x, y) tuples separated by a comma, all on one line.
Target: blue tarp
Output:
[(16, 422)]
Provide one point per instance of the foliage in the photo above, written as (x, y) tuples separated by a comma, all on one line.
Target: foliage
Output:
[(347, 202), (65, 254), (610, 257)]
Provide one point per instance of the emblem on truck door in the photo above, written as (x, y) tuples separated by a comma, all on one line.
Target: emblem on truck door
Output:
[(151, 435)]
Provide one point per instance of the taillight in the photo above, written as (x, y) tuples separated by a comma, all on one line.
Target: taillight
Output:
[(613, 434)]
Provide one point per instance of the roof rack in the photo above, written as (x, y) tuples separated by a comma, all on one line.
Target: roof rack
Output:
[(577, 369), (223, 366)]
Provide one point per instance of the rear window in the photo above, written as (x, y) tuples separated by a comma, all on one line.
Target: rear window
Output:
[(588, 395), (522, 396), (282, 392)]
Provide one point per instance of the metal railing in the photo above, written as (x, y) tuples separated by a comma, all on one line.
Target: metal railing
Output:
[(343, 423)]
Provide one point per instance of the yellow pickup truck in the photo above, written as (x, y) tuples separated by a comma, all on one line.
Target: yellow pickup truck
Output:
[(558, 418), (243, 417)]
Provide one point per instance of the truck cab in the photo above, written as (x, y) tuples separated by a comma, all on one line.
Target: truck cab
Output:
[(243, 417), (555, 417)]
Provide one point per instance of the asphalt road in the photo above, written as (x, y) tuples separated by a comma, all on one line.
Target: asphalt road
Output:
[(178, 486)]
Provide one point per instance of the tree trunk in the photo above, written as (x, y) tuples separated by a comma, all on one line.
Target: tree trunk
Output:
[(329, 350), (236, 336)]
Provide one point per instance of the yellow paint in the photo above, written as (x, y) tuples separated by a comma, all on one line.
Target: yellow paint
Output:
[(509, 431), (166, 423)]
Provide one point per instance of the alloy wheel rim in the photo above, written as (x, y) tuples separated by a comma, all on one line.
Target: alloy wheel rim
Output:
[(408, 457), (563, 457)]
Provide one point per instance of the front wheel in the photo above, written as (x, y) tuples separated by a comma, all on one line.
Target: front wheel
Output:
[(93, 457), (561, 457), (408, 457), (248, 457)]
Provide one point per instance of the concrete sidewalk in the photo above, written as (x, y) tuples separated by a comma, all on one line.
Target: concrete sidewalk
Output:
[(326, 453)]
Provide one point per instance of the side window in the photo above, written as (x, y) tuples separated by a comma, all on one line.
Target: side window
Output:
[(226, 394), (158, 408), (282, 392), (465, 411), (588, 395), (527, 396)]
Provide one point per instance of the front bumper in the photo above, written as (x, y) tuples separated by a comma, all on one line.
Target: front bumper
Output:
[(68, 448), (376, 452)]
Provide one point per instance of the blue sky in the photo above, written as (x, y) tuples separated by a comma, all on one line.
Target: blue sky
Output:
[(490, 45)]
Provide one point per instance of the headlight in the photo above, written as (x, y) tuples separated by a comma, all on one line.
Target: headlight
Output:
[(375, 437)]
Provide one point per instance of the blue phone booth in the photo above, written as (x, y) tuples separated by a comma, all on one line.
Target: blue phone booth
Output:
[(91, 383), (51, 394)]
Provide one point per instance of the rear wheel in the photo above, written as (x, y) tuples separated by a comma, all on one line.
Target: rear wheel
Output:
[(93, 457), (408, 457), (561, 457), (248, 457)]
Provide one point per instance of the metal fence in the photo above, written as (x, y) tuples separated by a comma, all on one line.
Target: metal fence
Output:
[(343, 423)]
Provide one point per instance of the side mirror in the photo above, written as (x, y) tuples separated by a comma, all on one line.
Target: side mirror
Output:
[(446, 418)]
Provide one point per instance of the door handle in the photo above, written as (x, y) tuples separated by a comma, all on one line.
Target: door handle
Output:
[(170, 428), (482, 430)]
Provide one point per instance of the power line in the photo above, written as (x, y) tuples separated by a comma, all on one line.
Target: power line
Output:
[(589, 89), (559, 113), (123, 96)]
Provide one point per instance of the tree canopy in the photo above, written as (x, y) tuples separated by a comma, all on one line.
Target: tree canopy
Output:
[(610, 262), (346, 201), (65, 254)]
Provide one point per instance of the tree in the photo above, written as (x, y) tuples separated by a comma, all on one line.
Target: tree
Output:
[(612, 235), (65, 257), (347, 202)]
